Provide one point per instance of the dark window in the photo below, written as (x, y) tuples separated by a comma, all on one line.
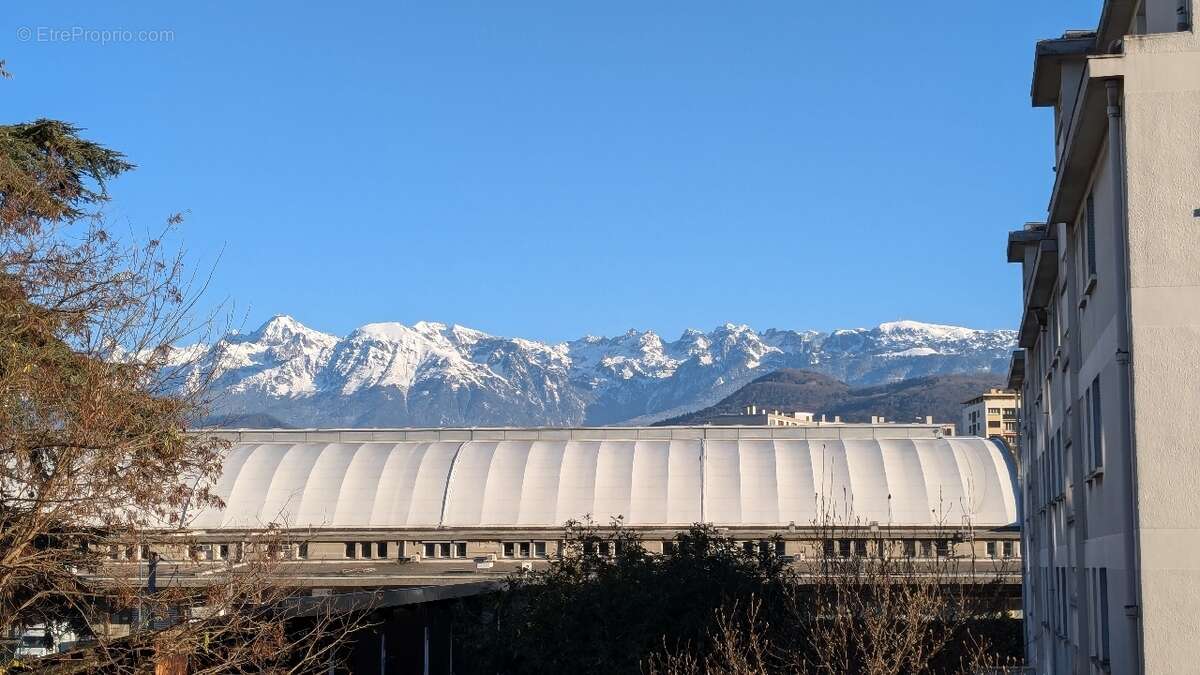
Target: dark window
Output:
[(1097, 426), (1104, 613), (144, 551), (381, 549), (748, 547), (860, 548), (589, 547), (539, 549), (844, 548), (509, 548), (460, 549), (669, 548), (365, 549), (1008, 549), (780, 547), (943, 548), (910, 548), (991, 549), (444, 550), (1089, 216), (827, 548), (524, 548), (430, 550), (350, 549), (302, 552)]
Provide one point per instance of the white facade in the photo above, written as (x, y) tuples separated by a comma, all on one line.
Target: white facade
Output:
[(1110, 369), (727, 477)]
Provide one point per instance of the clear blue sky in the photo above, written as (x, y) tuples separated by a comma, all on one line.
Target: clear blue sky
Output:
[(549, 169)]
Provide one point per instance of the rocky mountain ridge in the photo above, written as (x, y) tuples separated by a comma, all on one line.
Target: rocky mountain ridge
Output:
[(431, 374)]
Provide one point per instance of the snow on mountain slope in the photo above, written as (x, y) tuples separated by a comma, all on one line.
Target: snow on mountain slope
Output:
[(390, 374)]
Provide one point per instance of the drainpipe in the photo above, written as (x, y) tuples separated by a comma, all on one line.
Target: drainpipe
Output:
[(1116, 154)]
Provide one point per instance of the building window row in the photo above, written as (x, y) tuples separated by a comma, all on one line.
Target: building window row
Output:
[(366, 549), (524, 549)]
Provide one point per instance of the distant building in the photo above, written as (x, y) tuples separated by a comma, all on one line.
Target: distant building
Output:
[(1109, 366), (753, 416), (993, 414)]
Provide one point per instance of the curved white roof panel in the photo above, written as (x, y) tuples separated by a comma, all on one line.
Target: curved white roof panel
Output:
[(732, 482)]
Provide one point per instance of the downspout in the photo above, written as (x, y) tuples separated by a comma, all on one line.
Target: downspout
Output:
[(1116, 154)]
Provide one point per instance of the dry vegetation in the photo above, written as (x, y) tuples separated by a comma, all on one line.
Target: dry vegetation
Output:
[(93, 448), (712, 606)]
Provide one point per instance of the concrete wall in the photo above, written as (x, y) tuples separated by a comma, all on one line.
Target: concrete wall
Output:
[(1161, 77)]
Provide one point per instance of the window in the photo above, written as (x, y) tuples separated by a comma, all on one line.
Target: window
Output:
[(910, 548), (460, 549), (302, 551), (943, 548), (350, 549), (1008, 549), (1089, 217), (991, 549), (993, 424), (539, 549), (1097, 427), (668, 547), (430, 550), (223, 551), (993, 411), (827, 548), (860, 548), (144, 551), (381, 549), (1104, 613), (524, 548), (365, 549), (748, 547), (780, 547), (444, 549), (509, 549), (844, 548)]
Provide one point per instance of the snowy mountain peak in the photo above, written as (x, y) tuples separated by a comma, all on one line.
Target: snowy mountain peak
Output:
[(282, 328), (391, 374), (939, 331)]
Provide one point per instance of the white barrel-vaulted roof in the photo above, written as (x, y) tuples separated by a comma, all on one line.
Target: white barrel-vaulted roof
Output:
[(650, 477)]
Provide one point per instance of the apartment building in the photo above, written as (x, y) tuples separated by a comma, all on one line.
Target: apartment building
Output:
[(992, 414), (1109, 366)]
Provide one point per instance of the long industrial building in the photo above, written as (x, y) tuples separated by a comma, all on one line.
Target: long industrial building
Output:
[(374, 508)]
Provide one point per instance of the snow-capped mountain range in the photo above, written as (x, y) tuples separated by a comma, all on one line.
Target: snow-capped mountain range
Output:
[(430, 374)]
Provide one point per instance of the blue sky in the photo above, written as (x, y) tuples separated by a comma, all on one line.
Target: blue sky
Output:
[(550, 169)]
